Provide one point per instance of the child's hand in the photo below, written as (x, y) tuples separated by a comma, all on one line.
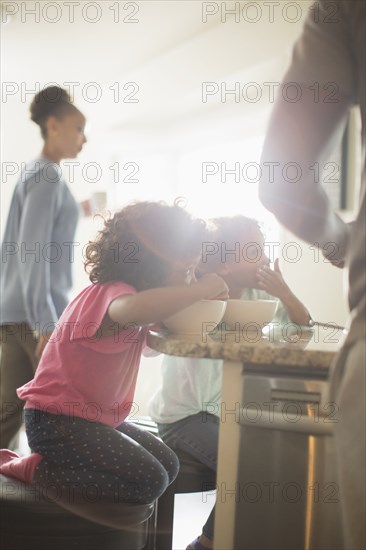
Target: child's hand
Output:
[(215, 286), (272, 281)]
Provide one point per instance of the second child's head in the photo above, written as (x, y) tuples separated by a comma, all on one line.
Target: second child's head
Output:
[(147, 245), (235, 250)]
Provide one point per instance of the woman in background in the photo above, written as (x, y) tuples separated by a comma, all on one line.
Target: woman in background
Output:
[(37, 251), (88, 371)]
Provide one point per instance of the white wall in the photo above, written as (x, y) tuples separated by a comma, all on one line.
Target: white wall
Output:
[(320, 286), (169, 52)]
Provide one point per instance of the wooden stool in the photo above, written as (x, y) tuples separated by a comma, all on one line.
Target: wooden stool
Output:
[(30, 521)]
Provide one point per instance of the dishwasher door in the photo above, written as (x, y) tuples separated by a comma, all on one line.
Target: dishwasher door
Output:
[(287, 491)]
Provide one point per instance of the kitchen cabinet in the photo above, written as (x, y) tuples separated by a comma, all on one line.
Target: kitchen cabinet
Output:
[(277, 486)]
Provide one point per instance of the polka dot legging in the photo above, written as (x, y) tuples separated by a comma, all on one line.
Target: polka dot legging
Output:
[(125, 463)]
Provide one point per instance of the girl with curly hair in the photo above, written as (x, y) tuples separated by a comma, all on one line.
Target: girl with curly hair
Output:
[(142, 271)]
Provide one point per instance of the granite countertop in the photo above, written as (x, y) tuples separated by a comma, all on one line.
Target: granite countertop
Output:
[(300, 348)]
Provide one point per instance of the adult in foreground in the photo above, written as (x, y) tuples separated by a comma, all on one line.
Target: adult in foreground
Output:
[(328, 74)]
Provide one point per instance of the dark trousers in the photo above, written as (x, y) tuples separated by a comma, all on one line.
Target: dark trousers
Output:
[(198, 436), (96, 461), (17, 366)]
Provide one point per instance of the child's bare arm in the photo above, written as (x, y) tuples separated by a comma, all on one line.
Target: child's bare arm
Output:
[(273, 283), (155, 305)]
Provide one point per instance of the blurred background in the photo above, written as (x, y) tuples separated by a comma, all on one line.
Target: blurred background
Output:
[(177, 95)]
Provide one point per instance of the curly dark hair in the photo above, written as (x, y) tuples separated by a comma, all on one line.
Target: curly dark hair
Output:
[(139, 243), (227, 230), (51, 101)]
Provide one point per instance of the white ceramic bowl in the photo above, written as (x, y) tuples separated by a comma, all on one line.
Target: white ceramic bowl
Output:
[(200, 318), (250, 313)]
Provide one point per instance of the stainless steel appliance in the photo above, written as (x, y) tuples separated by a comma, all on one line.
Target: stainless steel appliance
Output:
[(287, 491)]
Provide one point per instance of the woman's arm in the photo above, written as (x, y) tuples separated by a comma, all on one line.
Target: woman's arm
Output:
[(35, 232), (155, 305), (304, 131)]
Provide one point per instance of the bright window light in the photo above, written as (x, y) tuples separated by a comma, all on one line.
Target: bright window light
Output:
[(218, 180)]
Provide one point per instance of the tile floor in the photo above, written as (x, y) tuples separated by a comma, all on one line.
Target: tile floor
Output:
[(190, 514)]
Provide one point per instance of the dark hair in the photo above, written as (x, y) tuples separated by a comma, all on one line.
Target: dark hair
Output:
[(228, 231), (51, 101), (139, 243)]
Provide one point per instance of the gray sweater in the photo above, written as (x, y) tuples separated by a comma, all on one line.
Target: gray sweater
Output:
[(37, 250)]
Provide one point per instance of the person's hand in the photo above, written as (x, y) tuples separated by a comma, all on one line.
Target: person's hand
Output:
[(336, 263), (86, 208), (215, 287), (42, 342), (272, 281)]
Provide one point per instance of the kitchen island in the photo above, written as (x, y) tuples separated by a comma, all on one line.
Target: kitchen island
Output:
[(276, 423)]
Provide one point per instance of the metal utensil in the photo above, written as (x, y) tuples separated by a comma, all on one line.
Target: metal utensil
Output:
[(312, 323)]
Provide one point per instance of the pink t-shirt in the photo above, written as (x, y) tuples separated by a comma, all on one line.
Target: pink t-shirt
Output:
[(81, 373)]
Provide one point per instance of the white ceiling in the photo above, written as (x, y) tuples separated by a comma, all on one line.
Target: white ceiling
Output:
[(109, 44), (168, 53)]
